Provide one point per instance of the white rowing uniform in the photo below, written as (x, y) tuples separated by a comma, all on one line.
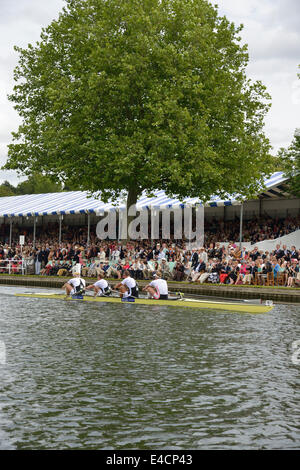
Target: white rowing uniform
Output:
[(102, 284), (132, 287), (78, 285), (161, 288)]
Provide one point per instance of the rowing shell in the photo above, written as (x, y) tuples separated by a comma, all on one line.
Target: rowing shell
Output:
[(192, 303)]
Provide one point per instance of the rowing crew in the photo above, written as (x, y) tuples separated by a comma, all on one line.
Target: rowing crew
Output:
[(128, 288)]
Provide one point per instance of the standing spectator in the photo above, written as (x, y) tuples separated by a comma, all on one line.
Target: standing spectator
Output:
[(203, 255), (194, 258), (115, 255), (38, 261), (275, 267)]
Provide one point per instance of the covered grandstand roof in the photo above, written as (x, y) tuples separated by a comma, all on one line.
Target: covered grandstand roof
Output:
[(78, 202)]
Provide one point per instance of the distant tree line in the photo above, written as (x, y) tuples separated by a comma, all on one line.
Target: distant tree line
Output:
[(35, 184)]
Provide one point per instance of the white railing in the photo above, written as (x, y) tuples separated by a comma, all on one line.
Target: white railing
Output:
[(12, 266)]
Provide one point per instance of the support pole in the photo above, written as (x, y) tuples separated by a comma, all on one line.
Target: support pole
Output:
[(34, 231), (119, 225), (10, 231), (190, 225), (89, 229), (59, 237), (260, 207), (241, 225)]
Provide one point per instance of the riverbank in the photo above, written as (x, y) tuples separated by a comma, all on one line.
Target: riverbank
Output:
[(275, 293)]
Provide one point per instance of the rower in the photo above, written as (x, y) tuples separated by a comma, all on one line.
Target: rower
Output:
[(158, 288), (75, 286), (128, 288), (100, 287)]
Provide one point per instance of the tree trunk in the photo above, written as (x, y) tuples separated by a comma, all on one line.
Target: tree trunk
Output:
[(132, 198)]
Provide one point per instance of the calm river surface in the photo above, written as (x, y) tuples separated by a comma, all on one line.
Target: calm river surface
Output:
[(78, 376)]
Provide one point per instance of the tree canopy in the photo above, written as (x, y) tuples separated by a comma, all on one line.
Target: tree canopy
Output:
[(290, 160), (134, 95)]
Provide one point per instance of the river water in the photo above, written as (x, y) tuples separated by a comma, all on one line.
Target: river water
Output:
[(109, 376)]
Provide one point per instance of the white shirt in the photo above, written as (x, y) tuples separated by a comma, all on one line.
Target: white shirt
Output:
[(161, 285), (101, 256), (115, 255), (161, 255), (129, 282), (76, 281), (203, 257), (102, 284)]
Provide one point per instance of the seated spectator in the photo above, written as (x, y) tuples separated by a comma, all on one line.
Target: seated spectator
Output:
[(99, 269), (187, 270), (165, 270), (250, 272), (178, 271), (105, 268), (54, 268), (204, 274), (126, 265), (115, 270), (293, 254), (46, 270), (198, 271), (92, 268), (64, 268), (147, 269), (84, 267), (233, 274), (224, 272), (136, 269), (213, 277)]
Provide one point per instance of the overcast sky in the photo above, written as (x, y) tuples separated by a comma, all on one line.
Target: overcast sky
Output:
[(271, 30)]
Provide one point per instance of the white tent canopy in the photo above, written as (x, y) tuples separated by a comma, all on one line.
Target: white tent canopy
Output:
[(78, 202)]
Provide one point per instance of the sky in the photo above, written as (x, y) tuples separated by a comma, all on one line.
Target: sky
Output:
[(271, 30)]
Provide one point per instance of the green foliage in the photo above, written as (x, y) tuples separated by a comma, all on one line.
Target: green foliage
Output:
[(35, 184), (133, 95), (7, 189), (290, 161)]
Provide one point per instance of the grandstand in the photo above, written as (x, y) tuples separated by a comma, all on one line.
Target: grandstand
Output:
[(76, 208)]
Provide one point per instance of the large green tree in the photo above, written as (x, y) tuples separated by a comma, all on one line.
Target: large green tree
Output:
[(133, 95)]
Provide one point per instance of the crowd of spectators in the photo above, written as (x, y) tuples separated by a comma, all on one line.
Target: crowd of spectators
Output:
[(254, 231), (173, 261)]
